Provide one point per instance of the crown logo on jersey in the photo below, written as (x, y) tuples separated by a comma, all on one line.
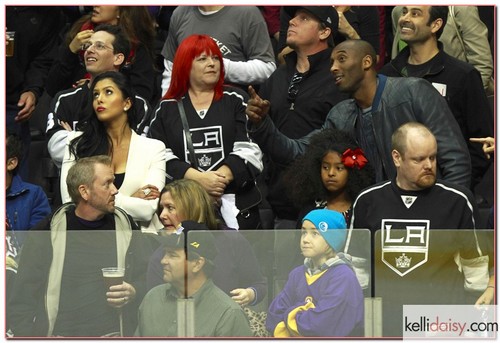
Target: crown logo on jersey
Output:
[(205, 161), (403, 261)]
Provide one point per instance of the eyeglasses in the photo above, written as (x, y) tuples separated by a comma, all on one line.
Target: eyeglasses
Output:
[(293, 88), (99, 46)]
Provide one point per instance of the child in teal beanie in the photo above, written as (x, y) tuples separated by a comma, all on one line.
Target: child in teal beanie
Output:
[(321, 298)]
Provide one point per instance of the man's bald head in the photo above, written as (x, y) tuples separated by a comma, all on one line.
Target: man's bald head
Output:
[(360, 48)]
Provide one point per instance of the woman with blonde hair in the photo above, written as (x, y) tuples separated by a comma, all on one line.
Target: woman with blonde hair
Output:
[(237, 271)]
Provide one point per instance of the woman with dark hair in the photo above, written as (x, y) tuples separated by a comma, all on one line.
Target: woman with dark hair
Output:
[(331, 174), (211, 146), (237, 271), (138, 26), (138, 162)]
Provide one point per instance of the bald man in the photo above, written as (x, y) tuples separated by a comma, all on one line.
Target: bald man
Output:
[(419, 226), (378, 106)]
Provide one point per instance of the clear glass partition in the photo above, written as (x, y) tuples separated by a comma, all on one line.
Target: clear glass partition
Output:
[(67, 296), (418, 266)]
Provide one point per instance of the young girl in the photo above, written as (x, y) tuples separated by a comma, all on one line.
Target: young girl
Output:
[(330, 174), (322, 298)]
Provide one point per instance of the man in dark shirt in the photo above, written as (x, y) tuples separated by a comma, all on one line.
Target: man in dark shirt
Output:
[(59, 289), (301, 93), (457, 81), (379, 105), (35, 46)]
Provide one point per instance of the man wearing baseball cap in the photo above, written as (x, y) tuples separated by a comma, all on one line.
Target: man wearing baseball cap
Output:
[(327, 15), (187, 267), (299, 95)]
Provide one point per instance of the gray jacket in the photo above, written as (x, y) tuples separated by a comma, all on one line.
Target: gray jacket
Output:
[(402, 100)]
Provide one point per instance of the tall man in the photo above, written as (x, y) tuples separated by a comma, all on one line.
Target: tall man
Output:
[(301, 92), (106, 51), (378, 106), (458, 82), (59, 289), (416, 261)]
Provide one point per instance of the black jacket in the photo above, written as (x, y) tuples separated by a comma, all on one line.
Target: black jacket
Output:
[(316, 96), (69, 68), (36, 42), (465, 96)]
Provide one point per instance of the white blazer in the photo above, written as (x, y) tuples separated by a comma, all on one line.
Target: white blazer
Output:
[(145, 165)]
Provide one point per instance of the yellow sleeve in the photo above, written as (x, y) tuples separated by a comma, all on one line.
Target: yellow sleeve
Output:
[(291, 319)]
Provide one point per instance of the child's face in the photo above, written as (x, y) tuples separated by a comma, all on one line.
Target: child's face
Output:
[(333, 173), (312, 244)]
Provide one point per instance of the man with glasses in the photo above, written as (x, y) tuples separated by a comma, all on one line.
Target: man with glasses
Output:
[(105, 51), (301, 93)]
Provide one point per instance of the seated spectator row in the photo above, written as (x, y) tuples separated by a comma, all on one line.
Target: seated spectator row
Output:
[(193, 290), (166, 154)]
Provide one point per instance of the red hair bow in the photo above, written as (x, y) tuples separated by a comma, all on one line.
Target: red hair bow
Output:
[(354, 158)]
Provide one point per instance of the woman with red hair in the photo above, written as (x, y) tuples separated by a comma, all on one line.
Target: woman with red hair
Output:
[(217, 151)]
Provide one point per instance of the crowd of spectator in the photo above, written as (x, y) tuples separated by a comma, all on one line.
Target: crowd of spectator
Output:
[(223, 156)]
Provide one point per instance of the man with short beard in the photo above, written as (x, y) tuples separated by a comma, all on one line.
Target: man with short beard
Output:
[(414, 153), (423, 223)]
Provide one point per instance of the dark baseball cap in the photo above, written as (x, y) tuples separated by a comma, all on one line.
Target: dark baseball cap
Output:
[(194, 238), (325, 14)]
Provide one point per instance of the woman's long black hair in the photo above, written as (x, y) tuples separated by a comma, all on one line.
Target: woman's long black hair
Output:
[(95, 140)]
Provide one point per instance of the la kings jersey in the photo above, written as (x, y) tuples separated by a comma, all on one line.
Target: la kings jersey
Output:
[(415, 236), (215, 132)]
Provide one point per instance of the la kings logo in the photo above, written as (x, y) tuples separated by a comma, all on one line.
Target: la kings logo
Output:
[(405, 244), (208, 147)]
